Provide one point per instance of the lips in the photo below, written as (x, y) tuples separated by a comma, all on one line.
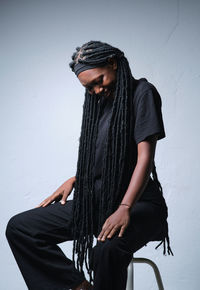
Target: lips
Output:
[(107, 93)]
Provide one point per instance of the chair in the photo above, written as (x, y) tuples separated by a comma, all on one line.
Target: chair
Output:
[(161, 236), (130, 285), (130, 279)]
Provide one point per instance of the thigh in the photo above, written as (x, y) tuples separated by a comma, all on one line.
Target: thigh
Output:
[(146, 221), (52, 223)]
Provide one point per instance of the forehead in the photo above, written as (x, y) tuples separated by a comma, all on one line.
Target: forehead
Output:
[(88, 76)]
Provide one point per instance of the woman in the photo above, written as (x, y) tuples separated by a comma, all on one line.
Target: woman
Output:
[(115, 198)]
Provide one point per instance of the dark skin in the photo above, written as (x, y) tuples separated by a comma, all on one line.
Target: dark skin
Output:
[(101, 81)]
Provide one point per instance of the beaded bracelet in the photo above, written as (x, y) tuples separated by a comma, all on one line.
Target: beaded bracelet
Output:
[(125, 204)]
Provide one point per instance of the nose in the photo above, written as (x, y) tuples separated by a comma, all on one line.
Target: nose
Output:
[(98, 90)]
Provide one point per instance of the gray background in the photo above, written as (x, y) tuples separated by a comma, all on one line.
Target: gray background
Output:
[(41, 111)]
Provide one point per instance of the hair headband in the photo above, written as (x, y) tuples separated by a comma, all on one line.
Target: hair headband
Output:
[(79, 67)]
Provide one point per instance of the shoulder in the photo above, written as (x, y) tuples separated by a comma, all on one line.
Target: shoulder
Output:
[(145, 91), (143, 86)]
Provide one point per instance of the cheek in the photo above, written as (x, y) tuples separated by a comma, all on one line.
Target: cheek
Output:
[(109, 79)]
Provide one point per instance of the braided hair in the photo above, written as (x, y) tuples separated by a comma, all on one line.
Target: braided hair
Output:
[(119, 150)]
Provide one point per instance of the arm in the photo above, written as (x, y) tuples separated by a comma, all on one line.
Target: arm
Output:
[(72, 179), (141, 173), (120, 218)]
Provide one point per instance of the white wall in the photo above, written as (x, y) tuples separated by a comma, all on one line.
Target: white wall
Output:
[(41, 109)]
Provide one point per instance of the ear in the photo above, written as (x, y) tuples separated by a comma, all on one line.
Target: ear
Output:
[(113, 62)]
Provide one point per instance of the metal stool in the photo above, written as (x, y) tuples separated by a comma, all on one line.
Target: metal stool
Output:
[(130, 286), (160, 236)]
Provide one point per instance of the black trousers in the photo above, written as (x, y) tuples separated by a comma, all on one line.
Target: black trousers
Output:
[(34, 235)]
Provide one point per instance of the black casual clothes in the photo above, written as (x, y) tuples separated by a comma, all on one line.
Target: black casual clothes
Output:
[(33, 235), (148, 121), (147, 107)]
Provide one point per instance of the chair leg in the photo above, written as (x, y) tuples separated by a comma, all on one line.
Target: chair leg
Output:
[(155, 268), (129, 283)]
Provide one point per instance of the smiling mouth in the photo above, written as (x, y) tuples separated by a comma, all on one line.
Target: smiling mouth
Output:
[(107, 94), (109, 91)]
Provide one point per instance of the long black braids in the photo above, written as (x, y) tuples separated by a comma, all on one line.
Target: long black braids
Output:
[(119, 150)]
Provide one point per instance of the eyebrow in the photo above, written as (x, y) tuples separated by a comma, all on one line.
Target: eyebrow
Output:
[(93, 81)]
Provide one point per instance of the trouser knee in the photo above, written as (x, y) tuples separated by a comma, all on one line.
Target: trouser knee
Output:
[(12, 227), (107, 252)]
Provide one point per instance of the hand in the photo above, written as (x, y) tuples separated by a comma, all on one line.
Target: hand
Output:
[(118, 220), (62, 192)]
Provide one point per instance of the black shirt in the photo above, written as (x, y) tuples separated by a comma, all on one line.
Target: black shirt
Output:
[(148, 121)]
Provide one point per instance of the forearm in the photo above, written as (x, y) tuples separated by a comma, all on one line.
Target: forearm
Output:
[(72, 179), (138, 181), (141, 173)]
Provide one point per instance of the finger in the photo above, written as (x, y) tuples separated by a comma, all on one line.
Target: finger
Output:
[(100, 235), (106, 232), (57, 198), (50, 199), (102, 231), (47, 201), (64, 198), (109, 231), (122, 231), (39, 205), (112, 233)]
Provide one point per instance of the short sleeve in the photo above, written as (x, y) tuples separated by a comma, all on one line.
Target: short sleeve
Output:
[(148, 115)]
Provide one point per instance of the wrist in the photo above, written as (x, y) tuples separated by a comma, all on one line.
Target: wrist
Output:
[(125, 206)]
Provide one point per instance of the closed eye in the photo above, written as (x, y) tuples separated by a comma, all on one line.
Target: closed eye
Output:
[(98, 81)]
